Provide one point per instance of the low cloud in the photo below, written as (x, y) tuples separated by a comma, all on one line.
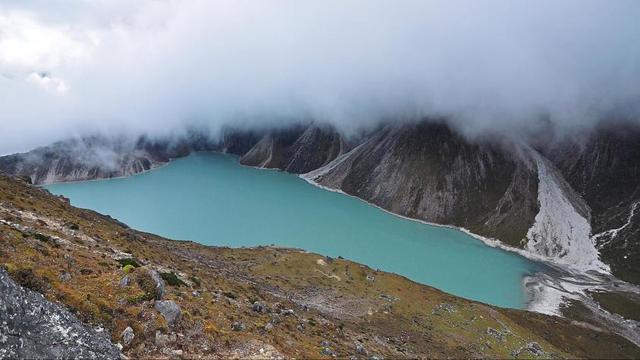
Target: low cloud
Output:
[(154, 66)]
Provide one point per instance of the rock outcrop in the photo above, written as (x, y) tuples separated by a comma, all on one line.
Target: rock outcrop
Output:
[(169, 310), (32, 327)]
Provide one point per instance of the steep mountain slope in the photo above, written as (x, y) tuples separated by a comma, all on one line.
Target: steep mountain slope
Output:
[(604, 168), (492, 186), (428, 172), (297, 150), (164, 298), (83, 159), (100, 157)]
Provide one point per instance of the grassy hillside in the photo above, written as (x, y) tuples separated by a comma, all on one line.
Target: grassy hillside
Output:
[(259, 302)]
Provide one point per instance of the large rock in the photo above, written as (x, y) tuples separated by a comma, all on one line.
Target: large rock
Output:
[(169, 310), (159, 282), (127, 336), (32, 327), (152, 284)]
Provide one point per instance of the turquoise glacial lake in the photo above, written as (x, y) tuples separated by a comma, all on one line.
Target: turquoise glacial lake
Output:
[(211, 199)]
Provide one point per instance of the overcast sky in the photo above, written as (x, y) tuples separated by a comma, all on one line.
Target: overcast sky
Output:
[(74, 66)]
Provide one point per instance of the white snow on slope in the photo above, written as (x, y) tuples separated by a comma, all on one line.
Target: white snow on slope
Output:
[(559, 232)]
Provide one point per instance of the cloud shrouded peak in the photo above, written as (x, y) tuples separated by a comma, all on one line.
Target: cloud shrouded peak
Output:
[(153, 65)]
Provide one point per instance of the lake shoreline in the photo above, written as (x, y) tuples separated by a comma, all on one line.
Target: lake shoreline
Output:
[(531, 298)]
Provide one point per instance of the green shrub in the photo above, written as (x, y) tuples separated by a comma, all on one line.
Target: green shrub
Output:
[(138, 298), (41, 237), (128, 261), (28, 279), (128, 268), (147, 286), (172, 279), (230, 295)]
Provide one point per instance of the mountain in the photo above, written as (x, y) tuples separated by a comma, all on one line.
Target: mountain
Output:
[(89, 276), (574, 201), (495, 187), (101, 157), (296, 150)]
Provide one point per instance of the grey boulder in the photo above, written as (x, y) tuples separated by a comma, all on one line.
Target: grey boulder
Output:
[(32, 327)]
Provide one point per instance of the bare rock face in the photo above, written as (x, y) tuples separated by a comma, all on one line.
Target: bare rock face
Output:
[(297, 150), (169, 310), (32, 327), (157, 283), (127, 336)]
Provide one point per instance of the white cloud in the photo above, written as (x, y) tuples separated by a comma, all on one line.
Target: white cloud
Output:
[(44, 81), (27, 43), (152, 65)]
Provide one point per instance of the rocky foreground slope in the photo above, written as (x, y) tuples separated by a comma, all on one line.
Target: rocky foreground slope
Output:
[(162, 298)]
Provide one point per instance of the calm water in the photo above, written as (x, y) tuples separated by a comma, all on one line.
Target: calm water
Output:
[(211, 199)]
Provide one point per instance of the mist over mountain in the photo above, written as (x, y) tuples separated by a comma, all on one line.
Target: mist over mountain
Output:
[(156, 67)]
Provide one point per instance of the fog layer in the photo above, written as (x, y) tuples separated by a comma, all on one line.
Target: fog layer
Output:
[(154, 66)]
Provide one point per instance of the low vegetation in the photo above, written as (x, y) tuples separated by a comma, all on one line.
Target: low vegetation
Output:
[(185, 299)]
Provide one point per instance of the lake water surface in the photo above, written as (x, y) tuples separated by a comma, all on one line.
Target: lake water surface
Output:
[(211, 199)]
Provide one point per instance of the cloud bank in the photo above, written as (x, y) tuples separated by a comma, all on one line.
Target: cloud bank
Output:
[(73, 66)]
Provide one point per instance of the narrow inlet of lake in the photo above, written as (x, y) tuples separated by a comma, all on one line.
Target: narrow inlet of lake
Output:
[(211, 199)]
